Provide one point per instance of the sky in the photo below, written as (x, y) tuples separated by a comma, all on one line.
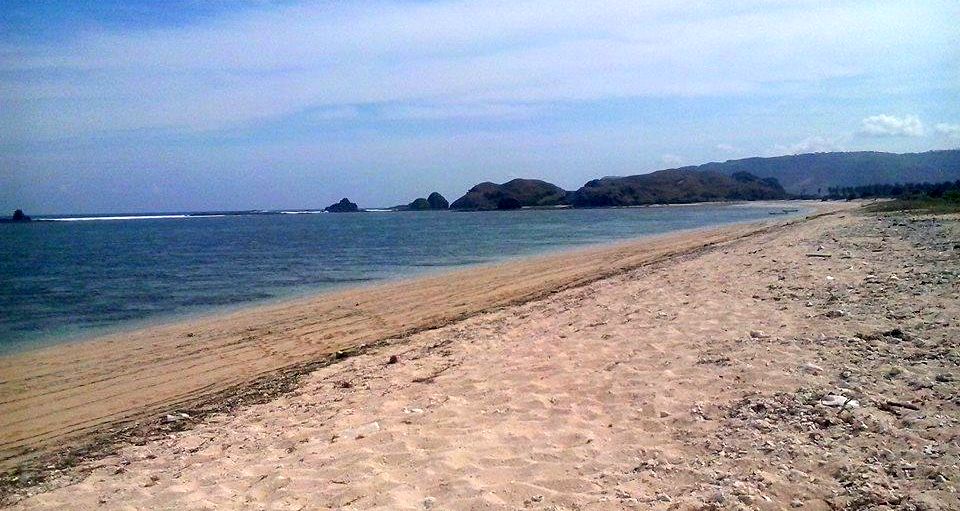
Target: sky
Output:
[(137, 106)]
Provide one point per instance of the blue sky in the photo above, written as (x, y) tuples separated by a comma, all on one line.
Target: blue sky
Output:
[(110, 106)]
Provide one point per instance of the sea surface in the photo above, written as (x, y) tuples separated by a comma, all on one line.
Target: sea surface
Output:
[(77, 277)]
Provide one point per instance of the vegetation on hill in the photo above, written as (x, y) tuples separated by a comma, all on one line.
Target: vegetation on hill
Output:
[(923, 197), (907, 190), (675, 186), (511, 195)]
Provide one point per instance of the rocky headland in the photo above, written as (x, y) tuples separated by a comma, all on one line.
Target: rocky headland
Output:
[(513, 194)]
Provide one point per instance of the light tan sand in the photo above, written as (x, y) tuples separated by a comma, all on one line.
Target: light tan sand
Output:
[(76, 394), (687, 384)]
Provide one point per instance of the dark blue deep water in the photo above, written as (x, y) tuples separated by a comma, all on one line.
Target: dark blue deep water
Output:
[(61, 280)]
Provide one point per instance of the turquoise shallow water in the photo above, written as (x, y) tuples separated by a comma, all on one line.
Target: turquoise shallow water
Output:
[(61, 280)]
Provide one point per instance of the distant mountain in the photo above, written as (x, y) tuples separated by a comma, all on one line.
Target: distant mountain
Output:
[(511, 195), (814, 173), (746, 179), (675, 186)]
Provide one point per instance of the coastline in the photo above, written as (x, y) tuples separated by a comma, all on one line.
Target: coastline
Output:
[(68, 397), (670, 384), (53, 397), (69, 334)]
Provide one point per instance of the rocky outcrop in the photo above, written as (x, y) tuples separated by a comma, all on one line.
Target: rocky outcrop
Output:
[(420, 204), (676, 186), (434, 202), (17, 217), (344, 206), (511, 195), (437, 201)]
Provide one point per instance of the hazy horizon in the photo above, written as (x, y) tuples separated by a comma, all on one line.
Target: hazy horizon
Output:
[(131, 106)]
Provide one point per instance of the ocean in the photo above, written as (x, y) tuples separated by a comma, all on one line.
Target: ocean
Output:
[(81, 276)]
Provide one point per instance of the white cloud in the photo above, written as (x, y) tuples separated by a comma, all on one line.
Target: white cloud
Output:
[(276, 61), (814, 144), (892, 126), (727, 148), (950, 130)]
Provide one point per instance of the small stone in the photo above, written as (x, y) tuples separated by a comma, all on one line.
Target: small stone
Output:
[(796, 503), (839, 401), (812, 368), (758, 334), (393, 360), (664, 415), (429, 502)]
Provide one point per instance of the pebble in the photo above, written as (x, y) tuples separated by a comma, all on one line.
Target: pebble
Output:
[(812, 368), (429, 502), (839, 401)]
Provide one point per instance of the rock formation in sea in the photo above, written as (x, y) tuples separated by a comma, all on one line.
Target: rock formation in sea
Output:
[(437, 201), (433, 202), (344, 206), (17, 217), (511, 195), (675, 186)]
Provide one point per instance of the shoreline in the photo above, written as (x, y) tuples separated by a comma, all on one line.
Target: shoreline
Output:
[(55, 339), (63, 399), (671, 385)]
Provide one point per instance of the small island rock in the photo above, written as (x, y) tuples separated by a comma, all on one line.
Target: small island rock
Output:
[(434, 202), (437, 201), (344, 206), (17, 217)]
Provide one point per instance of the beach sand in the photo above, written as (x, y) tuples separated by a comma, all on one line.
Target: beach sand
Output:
[(679, 372)]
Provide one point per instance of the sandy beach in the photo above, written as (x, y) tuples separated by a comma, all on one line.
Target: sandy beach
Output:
[(697, 370)]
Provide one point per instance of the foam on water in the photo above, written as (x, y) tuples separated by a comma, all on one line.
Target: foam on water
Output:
[(126, 217)]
